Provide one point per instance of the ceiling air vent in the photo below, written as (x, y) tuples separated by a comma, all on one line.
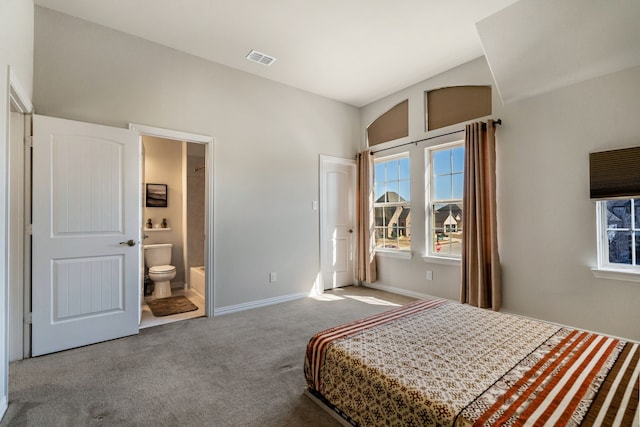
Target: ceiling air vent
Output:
[(260, 58)]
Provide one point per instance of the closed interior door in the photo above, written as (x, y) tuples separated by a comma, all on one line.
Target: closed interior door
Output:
[(86, 232), (337, 221)]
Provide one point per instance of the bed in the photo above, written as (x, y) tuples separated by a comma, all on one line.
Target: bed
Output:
[(438, 362)]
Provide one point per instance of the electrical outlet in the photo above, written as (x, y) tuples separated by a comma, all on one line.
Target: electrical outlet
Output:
[(429, 275), (273, 277)]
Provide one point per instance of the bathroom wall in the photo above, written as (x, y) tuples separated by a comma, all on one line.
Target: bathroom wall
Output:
[(195, 192), (163, 165)]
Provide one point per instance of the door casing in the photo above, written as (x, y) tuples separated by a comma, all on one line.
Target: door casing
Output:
[(209, 141), (18, 255)]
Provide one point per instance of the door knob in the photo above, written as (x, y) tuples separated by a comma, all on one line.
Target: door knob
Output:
[(128, 243), (350, 231)]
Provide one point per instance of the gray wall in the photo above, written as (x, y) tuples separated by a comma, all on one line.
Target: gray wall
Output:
[(268, 141), (547, 224)]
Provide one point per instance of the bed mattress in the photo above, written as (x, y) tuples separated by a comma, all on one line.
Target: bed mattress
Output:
[(438, 362)]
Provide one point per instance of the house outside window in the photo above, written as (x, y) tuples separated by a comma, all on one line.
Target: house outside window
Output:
[(392, 204), (445, 178), (619, 234)]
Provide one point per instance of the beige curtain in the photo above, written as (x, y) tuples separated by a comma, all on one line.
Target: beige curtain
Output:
[(365, 257), (480, 261)]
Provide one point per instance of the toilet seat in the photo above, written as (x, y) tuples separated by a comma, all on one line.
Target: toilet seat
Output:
[(162, 269)]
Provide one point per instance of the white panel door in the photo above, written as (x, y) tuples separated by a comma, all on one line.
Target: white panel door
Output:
[(338, 183), (86, 214)]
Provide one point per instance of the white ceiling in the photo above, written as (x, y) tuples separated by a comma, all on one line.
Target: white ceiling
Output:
[(354, 51), (552, 44)]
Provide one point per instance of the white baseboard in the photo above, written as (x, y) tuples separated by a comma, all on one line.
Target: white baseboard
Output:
[(255, 304), (398, 291)]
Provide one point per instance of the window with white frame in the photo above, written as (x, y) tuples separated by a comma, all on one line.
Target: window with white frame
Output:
[(619, 234), (445, 179), (392, 204)]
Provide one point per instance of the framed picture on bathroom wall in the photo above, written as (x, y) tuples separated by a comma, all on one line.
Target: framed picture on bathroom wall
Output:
[(156, 196)]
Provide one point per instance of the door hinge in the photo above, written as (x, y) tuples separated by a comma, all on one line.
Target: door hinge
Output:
[(28, 229), (28, 318), (28, 141)]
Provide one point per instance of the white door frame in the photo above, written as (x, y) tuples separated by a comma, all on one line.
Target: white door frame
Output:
[(14, 96), (18, 255), (324, 160), (209, 198)]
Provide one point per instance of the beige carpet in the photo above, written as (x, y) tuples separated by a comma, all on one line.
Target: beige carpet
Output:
[(242, 369)]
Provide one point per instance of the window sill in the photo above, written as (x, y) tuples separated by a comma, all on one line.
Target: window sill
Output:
[(609, 273), (442, 260), (394, 254)]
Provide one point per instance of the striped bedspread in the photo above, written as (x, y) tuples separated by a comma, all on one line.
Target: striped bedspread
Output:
[(437, 362)]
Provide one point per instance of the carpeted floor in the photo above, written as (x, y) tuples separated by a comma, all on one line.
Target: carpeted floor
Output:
[(242, 369)]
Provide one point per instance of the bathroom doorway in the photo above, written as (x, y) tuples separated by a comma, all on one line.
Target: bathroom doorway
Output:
[(178, 166)]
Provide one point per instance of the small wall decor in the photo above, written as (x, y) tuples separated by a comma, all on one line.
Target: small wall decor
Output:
[(156, 196)]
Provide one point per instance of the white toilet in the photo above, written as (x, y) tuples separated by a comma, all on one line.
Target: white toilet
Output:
[(158, 259)]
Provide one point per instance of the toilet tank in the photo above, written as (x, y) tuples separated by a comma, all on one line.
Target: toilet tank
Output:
[(158, 254)]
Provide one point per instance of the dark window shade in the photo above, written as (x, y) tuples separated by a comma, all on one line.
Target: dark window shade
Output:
[(456, 104), (615, 173), (391, 125)]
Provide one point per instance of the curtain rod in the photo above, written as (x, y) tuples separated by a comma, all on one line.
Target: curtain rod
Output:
[(495, 122)]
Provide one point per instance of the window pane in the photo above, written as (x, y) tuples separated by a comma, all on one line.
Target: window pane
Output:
[(637, 236), (455, 238), (405, 190), (457, 155), (392, 220), (392, 170), (456, 211), (379, 236), (387, 237), (438, 237), (441, 162), (619, 213), (380, 192), (379, 216), (636, 225), (404, 168), (447, 228), (392, 189), (442, 188), (619, 247), (457, 181), (379, 173), (440, 212)]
